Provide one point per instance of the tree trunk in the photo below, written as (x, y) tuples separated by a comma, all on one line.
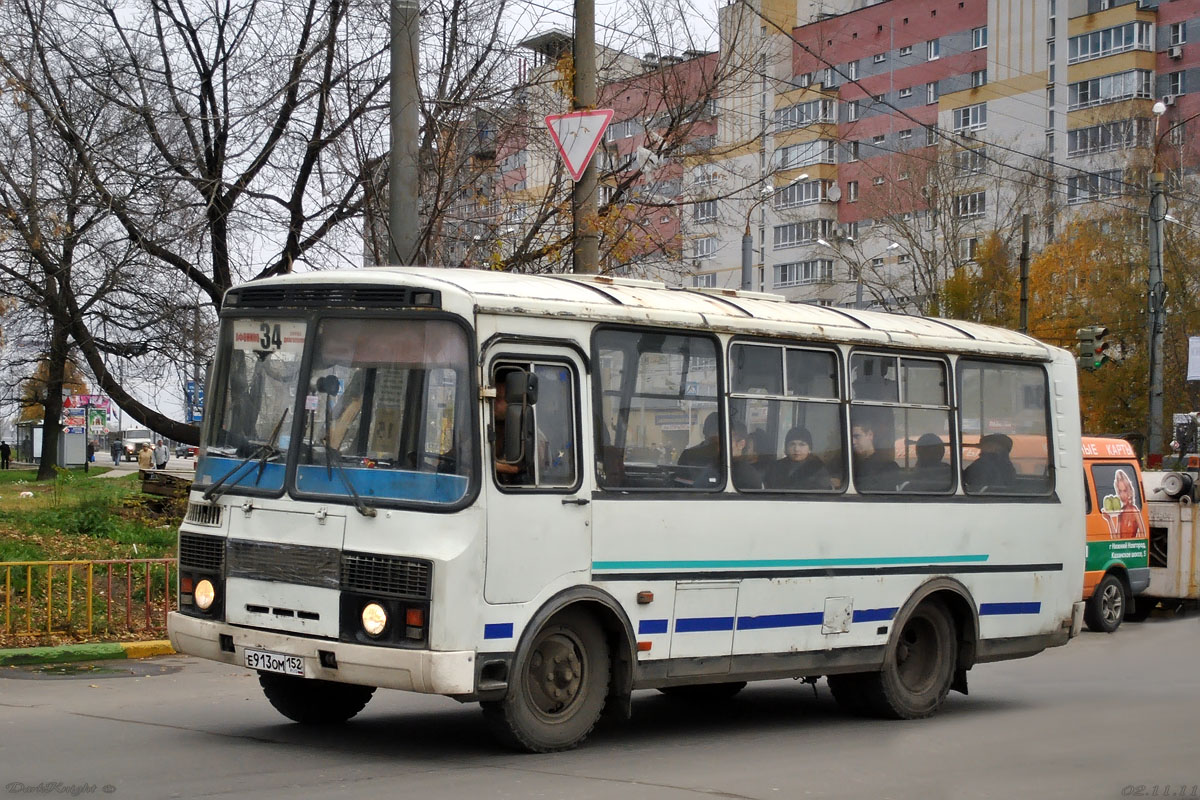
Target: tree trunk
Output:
[(56, 360)]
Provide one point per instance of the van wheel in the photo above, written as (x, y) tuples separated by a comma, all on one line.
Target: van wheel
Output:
[(1105, 609), (916, 674), (314, 702), (704, 691), (559, 688)]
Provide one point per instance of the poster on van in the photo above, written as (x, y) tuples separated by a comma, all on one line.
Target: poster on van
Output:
[(1122, 508)]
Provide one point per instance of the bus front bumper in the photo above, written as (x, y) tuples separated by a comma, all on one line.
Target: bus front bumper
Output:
[(448, 673)]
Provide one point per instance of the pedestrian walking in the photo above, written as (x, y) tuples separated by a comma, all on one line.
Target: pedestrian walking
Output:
[(146, 456), (5, 454), (115, 449), (161, 455)]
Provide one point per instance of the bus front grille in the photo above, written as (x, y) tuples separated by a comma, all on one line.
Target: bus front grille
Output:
[(386, 575), (288, 563), (204, 514), (201, 553)]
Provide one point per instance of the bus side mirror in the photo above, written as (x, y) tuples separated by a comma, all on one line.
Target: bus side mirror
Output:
[(521, 392)]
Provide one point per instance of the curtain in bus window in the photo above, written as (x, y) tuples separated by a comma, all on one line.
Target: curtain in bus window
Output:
[(785, 419), (1005, 432), (659, 426)]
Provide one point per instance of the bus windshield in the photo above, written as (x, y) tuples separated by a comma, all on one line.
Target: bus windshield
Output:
[(383, 415)]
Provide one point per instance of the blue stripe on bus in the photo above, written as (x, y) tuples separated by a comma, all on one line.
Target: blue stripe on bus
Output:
[(498, 630), (996, 609), (697, 624), (791, 562), (764, 621), (649, 626), (875, 614)]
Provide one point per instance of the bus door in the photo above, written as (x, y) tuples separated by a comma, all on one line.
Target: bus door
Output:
[(538, 503)]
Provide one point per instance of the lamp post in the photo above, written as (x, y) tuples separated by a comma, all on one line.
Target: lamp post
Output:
[(747, 243), (858, 271), (1157, 292)]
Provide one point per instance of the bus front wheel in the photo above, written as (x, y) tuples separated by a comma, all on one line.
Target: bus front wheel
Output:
[(314, 702), (916, 674), (1105, 609), (558, 688)]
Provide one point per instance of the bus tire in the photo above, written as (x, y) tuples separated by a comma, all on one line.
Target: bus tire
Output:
[(1105, 609), (918, 669), (847, 690), (704, 691), (559, 687), (314, 702)]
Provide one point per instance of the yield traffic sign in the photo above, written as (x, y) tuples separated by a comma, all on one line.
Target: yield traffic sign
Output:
[(576, 136)]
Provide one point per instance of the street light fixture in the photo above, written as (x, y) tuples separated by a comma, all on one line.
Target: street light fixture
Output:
[(766, 193)]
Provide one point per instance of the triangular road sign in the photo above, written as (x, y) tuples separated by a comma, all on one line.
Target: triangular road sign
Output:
[(576, 136)]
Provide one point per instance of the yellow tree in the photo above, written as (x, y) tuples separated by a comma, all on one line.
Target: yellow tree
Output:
[(33, 389), (987, 290)]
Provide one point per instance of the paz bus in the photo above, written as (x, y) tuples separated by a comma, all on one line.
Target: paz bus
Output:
[(541, 493)]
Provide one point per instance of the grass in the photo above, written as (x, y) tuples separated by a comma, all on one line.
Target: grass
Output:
[(80, 516)]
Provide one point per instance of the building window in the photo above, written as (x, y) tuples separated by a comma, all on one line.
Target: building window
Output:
[(970, 118), (979, 78), (801, 272), (877, 180), (877, 98), (801, 194), (906, 135), (852, 191), (979, 38), (970, 162), (852, 71), (852, 111), (933, 49), (904, 258), (1178, 33), (1108, 136), (704, 211), (973, 204), (819, 151), (879, 58), (906, 51), (967, 248), (1110, 89), (1093, 185), (1110, 41), (878, 140), (705, 280), (1175, 83), (906, 92), (704, 247), (795, 234), (930, 135), (804, 114), (852, 150), (931, 92)]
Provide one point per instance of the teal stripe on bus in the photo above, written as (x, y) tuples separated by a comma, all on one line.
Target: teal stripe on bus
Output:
[(792, 562)]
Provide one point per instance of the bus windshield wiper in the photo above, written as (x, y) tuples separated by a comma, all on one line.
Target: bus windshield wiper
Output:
[(263, 454), (359, 505)]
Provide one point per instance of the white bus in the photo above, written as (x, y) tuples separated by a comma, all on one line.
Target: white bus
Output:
[(684, 490)]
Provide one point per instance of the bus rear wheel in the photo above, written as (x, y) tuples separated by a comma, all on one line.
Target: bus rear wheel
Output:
[(916, 674), (1105, 609), (314, 702), (559, 687)]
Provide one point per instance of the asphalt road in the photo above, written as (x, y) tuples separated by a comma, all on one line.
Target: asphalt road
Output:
[(1096, 719)]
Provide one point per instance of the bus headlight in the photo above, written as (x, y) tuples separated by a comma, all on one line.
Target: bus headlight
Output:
[(374, 619), (204, 594)]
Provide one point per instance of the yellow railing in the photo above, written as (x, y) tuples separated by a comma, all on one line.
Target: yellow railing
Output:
[(83, 599)]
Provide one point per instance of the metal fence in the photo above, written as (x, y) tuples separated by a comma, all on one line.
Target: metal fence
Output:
[(84, 599)]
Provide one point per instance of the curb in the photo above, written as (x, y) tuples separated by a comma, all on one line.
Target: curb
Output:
[(104, 651)]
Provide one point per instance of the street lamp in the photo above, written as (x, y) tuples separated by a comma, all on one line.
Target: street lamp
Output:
[(747, 243), (1158, 212), (858, 272)]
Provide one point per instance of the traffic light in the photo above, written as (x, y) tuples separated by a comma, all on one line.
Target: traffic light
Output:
[(1092, 347)]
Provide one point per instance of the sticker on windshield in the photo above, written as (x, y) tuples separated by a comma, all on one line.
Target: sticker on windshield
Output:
[(268, 335)]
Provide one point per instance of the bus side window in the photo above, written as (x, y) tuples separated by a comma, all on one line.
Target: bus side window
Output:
[(549, 457)]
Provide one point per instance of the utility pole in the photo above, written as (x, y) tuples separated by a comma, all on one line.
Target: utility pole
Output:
[(747, 259), (1024, 328), (403, 174), (583, 196), (1157, 293)]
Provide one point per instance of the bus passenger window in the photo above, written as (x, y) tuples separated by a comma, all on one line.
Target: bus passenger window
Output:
[(659, 425), (1005, 431)]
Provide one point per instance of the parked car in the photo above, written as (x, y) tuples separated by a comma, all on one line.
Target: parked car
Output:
[(185, 450)]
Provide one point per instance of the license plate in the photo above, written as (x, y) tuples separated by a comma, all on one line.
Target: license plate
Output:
[(275, 662)]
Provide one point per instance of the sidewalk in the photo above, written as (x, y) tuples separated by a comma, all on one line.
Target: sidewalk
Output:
[(103, 651)]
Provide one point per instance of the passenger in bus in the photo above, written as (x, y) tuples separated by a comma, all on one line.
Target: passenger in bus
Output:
[(708, 452), (799, 469), (506, 473), (874, 470), (993, 470), (745, 473), (932, 473)]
